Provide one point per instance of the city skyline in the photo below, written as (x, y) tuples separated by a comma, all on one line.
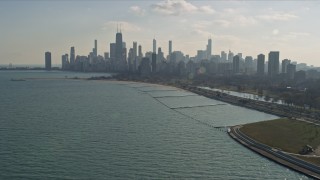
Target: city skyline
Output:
[(244, 27)]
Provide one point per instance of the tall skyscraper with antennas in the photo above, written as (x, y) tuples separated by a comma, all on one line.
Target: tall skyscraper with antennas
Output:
[(120, 62)]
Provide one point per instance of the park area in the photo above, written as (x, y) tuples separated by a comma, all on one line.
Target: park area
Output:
[(289, 135)]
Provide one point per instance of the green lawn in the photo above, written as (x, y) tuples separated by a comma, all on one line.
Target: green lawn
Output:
[(286, 134)]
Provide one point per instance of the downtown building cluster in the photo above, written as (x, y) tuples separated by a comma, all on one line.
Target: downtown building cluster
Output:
[(120, 59)]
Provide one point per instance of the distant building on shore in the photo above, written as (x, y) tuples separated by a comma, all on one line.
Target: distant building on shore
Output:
[(260, 65), (284, 66), (290, 71), (273, 63), (145, 68), (236, 64), (48, 60)]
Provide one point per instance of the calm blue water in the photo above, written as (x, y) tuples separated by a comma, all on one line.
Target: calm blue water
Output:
[(78, 129)]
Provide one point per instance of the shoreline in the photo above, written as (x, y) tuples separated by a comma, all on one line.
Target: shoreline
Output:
[(275, 155)]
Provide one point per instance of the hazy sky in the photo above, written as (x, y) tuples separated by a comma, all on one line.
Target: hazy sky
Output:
[(29, 28)]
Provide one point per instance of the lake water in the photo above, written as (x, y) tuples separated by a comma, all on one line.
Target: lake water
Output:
[(55, 128)]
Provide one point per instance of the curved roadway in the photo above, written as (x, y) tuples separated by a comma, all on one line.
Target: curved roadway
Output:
[(277, 153)]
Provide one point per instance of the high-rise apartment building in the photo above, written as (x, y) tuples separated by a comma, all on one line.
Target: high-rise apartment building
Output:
[(209, 49), (236, 64), (230, 56), (48, 60), (95, 50), (284, 65), (65, 61), (223, 56), (170, 47), (291, 70), (273, 63), (140, 51), (135, 49), (154, 46), (260, 64), (154, 63), (248, 65), (72, 56)]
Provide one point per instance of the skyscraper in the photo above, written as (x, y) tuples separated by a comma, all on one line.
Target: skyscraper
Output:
[(140, 51), (120, 62), (119, 46), (248, 64), (160, 56), (135, 57), (65, 62), (112, 51), (145, 68), (223, 56), (154, 46), (135, 49), (209, 48), (131, 60), (95, 50), (201, 55), (72, 55), (48, 60), (154, 63), (291, 70), (273, 63), (236, 64), (230, 56), (170, 47), (260, 64), (284, 65)]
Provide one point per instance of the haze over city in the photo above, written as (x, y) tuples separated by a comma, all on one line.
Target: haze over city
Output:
[(29, 28)]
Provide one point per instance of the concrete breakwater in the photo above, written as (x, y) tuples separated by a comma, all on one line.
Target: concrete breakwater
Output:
[(267, 107)]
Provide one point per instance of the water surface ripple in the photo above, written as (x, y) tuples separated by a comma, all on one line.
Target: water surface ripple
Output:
[(75, 129)]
